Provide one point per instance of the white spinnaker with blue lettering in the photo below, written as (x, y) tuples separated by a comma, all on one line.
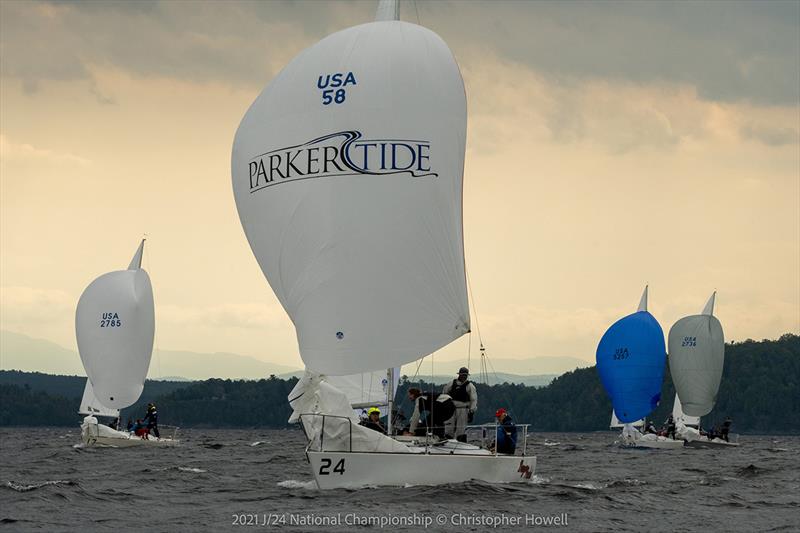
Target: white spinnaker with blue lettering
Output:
[(696, 358), (114, 326), (347, 173)]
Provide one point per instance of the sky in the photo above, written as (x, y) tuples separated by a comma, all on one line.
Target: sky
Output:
[(610, 145)]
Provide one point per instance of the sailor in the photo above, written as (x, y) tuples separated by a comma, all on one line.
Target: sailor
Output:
[(114, 424), (671, 427), (506, 438), (726, 428), (140, 429), (465, 398), (152, 420), (130, 424), (650, 427), (373, 420), (439, 409)]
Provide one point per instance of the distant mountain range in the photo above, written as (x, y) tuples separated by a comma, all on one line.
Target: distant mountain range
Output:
[(21, 352)]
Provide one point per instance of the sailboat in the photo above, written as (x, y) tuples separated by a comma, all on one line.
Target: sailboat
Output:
[(630, 360), (696, 358), (347, 174), (114, 326)]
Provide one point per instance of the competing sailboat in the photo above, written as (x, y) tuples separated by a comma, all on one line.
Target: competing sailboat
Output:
[(696, 358), (630, 360), (114, 326), (347, 173)]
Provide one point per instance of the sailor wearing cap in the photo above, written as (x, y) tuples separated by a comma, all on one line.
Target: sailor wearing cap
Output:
[(465, 398), (373, 420)]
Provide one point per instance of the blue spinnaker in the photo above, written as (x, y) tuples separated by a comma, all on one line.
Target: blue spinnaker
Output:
[(630, 361)]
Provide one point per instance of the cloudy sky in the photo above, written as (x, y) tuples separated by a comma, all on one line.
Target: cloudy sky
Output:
[(610, 145)]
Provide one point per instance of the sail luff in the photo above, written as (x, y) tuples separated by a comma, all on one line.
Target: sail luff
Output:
[(136, 261), (643, 300), (709, 308)]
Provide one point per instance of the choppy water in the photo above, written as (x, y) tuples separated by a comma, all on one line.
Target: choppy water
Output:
[(219, 475)]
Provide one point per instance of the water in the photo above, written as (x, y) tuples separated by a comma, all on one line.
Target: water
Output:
[(218, 477)]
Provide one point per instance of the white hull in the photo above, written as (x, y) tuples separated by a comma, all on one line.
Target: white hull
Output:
[(334, 470), (94, 434), (716, 443), (667, 444)]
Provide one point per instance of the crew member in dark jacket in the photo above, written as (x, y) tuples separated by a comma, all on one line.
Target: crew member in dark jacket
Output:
[(439, 409), (373, 420), (151, 418), (506, 439)]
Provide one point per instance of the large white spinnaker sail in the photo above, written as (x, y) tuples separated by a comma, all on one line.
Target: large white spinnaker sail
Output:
[(90, 405), (347, 173), (696, 358), (114, 325)]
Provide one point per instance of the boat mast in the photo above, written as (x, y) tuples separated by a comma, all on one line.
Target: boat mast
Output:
[(388, 10)]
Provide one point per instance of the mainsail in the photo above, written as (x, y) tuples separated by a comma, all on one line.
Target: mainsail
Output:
[(615, 423), (630, 361), (682, 418), (114, 325), (90, 405), (347, 174), (696, 358)]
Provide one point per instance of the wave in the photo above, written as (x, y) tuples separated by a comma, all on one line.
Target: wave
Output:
[(21, 487), (294, 484)]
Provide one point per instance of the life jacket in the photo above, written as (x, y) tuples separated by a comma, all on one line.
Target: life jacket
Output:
[(459, 391)]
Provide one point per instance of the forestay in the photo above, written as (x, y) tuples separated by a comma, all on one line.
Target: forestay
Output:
[(114, 325), (347, 174), (696, 358), (630, 361)]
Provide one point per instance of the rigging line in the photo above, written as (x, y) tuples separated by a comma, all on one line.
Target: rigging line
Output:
[(417, 12), (155, 333), (474, 307)]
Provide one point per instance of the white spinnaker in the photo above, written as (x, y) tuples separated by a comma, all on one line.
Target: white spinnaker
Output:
[(90, 405), (696, 358), (114, 325), (682, 418), (615, 423), (368, 262)]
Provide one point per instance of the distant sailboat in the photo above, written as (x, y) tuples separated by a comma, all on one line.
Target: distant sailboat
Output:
[(347, 174), (114, 326), (630, 361), (696, 359)]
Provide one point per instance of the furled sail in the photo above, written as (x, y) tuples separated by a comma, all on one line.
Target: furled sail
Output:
[(630, 361), (114, 325), (347, 174), (696, 358), (90, 405)]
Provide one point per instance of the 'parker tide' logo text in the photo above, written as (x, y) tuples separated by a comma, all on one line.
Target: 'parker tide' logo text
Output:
[(345, 153)]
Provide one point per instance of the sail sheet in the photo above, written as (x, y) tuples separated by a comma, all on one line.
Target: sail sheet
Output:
[(630, 361), (696, 358), (682, 418), (347, 174), (90, 405), (114, 326)]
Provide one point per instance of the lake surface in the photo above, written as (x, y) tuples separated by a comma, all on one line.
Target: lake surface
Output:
[(259, 480)]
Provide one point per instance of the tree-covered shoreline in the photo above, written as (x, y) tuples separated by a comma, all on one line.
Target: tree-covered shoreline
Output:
[(760, 389)]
